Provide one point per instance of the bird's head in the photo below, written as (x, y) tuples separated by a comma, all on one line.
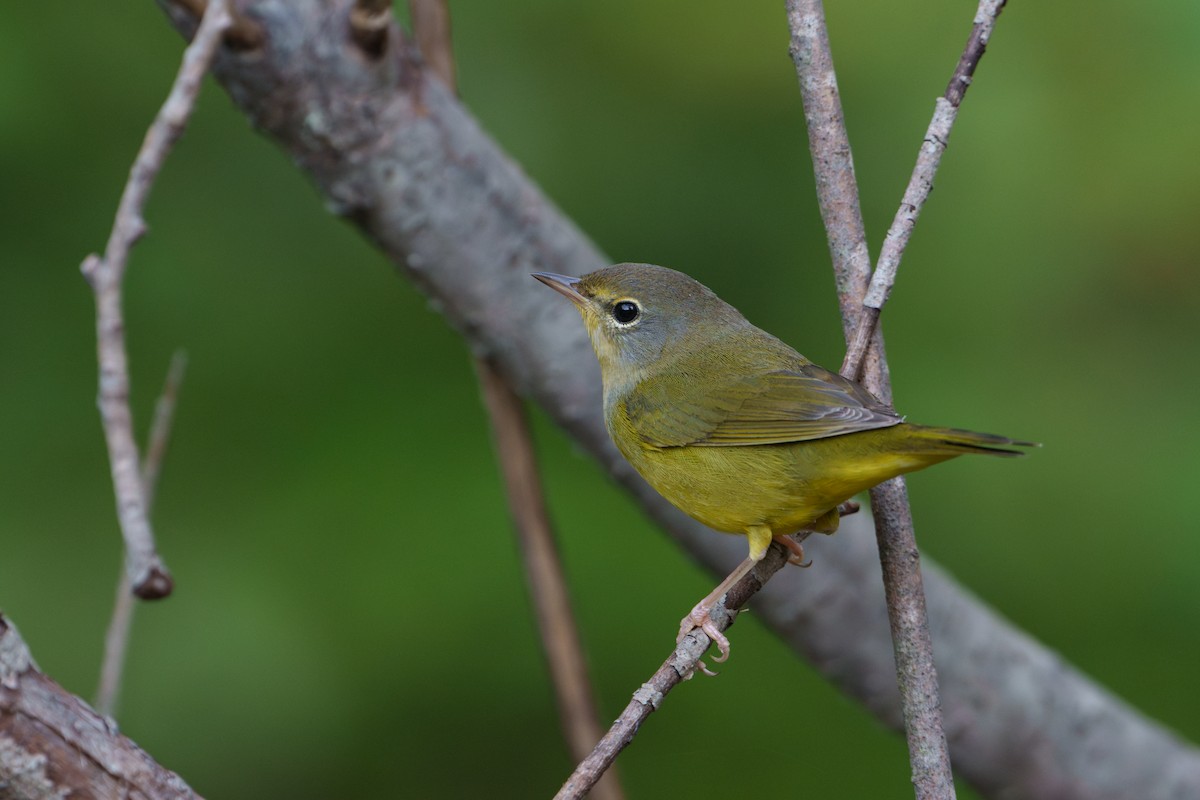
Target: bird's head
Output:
[(639, 316)]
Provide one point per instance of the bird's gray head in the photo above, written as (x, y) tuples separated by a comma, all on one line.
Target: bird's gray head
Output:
[(640, 315)]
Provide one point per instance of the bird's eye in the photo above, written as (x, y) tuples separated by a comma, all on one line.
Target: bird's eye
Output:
[(625, 311)]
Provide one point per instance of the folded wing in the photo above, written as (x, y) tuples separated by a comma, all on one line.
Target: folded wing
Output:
[(799, 403)]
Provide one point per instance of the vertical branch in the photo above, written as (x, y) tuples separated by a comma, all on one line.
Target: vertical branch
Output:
[(148, 575), (116, 640), (861, 302), (833, 162), (514, 451), (833, 167)]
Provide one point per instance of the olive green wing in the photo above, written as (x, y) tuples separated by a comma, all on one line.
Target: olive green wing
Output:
[(796, 404)]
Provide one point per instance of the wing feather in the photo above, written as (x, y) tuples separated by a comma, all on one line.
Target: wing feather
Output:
[(799, 403)]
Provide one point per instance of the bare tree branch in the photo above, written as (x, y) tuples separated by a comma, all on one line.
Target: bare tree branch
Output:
[(116, 640), (462, 221), (160, 427), (116, 645), (680, 666), (929, 753), (148, 576), (53, 746), (937, 136)]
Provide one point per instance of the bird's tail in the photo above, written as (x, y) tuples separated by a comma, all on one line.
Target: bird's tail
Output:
[(953, 441)]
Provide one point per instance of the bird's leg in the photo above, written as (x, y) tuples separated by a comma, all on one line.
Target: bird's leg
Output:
[(699, 617), (847, 508), (828, 522)]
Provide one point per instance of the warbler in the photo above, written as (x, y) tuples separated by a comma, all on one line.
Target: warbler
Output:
[(733, 426)]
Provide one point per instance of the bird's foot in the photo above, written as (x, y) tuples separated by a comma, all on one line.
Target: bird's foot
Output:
[(847, 508), (699, 617), (797, 550)]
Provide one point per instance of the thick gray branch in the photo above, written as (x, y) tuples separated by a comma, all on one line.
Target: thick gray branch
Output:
[(53, 746), (399, 156)]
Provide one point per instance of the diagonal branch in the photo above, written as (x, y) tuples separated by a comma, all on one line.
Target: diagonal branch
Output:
[(679, 667), (53, 746), (148, 576), (920, 184), (466, 225)]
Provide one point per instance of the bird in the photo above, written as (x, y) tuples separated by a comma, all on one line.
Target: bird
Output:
[(733, 426)]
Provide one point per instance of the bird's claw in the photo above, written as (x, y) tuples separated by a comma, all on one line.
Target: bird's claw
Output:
[(795, 551), (847, 508), (699, 618)]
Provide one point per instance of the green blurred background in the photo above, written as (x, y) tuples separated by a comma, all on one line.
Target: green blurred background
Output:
[(350, 618)]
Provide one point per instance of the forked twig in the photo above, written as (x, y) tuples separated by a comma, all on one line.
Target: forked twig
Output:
[(920, 184), (148, 576), (861, 302), (838, 192)]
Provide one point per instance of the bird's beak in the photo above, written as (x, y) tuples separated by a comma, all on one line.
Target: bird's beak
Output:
[(564, 285)]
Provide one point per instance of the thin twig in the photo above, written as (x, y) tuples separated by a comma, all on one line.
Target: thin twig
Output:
[(243, 33), (148, 575), (861, 305), (369, 22), (160, 427), (677, 668), (431, 25), (920, 184), (544, 572), (116, 640), (116, 645), (557, 628)]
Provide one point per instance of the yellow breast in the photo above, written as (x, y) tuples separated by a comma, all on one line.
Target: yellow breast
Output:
[(786, 487)]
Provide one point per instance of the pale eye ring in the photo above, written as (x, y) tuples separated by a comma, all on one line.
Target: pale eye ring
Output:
[(625, 311)]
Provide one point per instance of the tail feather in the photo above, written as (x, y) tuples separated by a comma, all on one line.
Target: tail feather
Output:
[(954, 440)]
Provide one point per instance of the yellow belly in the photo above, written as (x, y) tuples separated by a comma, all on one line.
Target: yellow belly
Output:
[(786, 487)]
